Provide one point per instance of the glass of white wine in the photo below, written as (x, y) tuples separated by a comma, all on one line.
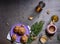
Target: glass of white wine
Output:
[(54, 18)]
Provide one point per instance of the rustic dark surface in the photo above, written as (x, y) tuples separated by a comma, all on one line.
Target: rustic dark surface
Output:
[(16, 11)]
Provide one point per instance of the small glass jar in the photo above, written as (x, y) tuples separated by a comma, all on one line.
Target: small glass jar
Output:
[(38, 9), (43, 39)]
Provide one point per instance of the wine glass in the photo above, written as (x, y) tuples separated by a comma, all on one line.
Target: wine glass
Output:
[(54, 18)]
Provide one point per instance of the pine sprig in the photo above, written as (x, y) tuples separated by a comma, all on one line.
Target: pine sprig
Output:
[(35, 29)]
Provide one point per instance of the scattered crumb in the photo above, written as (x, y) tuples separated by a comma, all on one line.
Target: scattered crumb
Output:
[(48, 12), (7, 24)]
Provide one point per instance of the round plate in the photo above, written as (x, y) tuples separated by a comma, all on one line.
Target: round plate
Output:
[(18, 36)]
